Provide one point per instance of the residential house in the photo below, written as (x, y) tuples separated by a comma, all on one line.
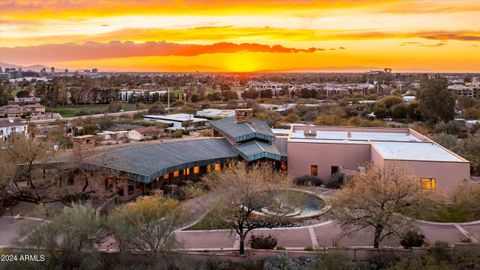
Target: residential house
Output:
[(145, 133), (11, 127), (182, 121)]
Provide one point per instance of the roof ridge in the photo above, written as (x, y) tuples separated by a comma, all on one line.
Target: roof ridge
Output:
[(248, 124), (260, 145)]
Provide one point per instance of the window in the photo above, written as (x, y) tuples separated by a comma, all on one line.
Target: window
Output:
[(196, 170), (428, 183), (218, 167), (166, 176), (108, 183), (186, 171), (130, 187), (71, 180), (283, 165), (138, 186), (176, 173), (334, 169), (209, 168), (314, 170)]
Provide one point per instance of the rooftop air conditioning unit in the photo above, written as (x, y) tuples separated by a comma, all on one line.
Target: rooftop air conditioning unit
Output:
[(310, 133)]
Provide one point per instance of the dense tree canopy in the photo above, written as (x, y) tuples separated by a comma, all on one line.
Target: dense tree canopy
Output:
[(435, 101)]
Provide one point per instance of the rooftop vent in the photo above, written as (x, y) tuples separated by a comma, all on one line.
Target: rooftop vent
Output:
[(310, 133)]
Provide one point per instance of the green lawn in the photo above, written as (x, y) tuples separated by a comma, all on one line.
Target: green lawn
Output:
[(212, 222), (209, 222), (71, 110), (443, 213)]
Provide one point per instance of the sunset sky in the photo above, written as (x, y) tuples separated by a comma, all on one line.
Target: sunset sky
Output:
[(242, 36)]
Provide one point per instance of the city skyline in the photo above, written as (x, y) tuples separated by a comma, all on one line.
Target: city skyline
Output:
[(239, 36)]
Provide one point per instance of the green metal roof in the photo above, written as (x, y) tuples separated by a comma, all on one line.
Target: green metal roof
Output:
[(146, 162), (254, 150), (281, 144), (243, 131)]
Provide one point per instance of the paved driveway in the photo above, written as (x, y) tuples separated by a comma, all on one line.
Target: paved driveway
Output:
[(10, 229)]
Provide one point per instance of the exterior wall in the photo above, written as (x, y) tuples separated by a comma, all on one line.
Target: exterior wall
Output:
[(83, 143), (354, 129), (135, 135), (377, 159), (5, 132), (301, 155), (448, 174), (127, 190), (243, 115)]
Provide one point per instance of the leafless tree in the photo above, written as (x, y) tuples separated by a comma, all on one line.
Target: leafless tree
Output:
[(240, 191), (376, 199)]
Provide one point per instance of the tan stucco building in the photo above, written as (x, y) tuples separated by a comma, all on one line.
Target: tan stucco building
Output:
[(324, 151)]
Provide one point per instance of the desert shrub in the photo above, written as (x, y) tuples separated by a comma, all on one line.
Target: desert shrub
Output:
[(191, 191), (157, 108), (441, 251), (309, 248), (308, 180), (335, 181), (105, 123), (138, 115), (281, 262), (263, 242), (280, 248), (467, 256), (114, 107), (333, 261), (381, 261), (412, 239), (177, 134)]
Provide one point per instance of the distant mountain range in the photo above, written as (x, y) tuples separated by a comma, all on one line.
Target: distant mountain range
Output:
[(36, 68)]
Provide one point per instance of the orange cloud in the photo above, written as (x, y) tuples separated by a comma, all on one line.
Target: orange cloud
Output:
[(432, 6), (79, 9), (439, 44), (443, 35), (229, 33), (117, 49)]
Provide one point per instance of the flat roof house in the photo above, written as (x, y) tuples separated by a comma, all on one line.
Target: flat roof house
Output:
[(145, 133), (183, 121), (324, 151), (11, 127)]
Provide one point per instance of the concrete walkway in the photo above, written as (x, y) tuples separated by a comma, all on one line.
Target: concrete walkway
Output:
[(325, 234)]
